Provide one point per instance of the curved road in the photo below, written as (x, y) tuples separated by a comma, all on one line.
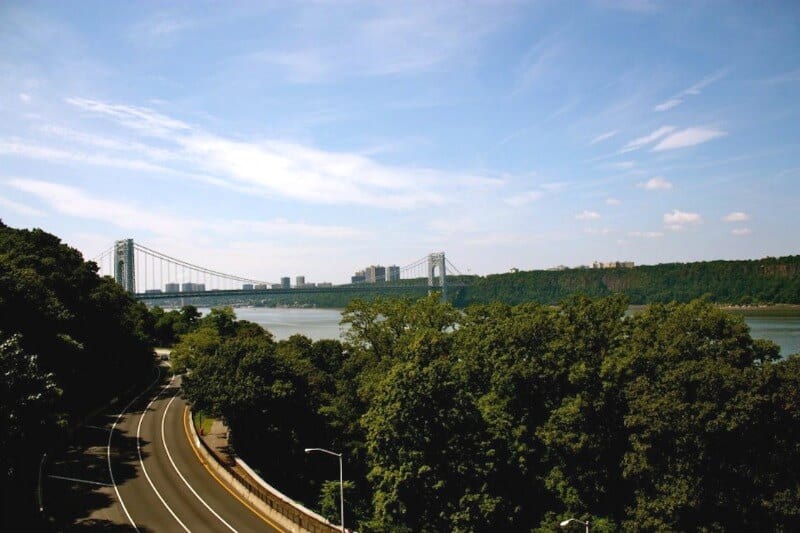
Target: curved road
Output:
[(154, 480)]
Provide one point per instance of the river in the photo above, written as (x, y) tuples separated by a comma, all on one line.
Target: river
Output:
[(781, 327)]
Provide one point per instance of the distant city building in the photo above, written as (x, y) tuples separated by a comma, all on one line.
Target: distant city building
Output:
[(375, 273), (309, 285), (286, 283), (392, 273), (325, 284), (299, 282), (277, 285), (152, 291), (613, 264), (172, 287), (261, 287), (247, 286), (193, 287)]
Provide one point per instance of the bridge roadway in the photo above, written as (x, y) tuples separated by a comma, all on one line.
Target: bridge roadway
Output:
[(136, 470), (366, 287)]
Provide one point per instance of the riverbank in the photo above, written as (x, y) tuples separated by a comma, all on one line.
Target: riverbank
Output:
[(765, 309)]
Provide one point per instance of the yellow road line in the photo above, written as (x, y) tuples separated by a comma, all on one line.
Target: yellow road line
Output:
[(222, 484)]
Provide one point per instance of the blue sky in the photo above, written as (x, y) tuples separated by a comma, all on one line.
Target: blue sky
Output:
[(280, 138)]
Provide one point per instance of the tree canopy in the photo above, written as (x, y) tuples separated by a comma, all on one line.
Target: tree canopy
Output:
[(69, 342), (515, 417)]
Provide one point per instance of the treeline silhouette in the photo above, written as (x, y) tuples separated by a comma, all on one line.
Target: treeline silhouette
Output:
[(512, 418), (69, 342), (762, 281)]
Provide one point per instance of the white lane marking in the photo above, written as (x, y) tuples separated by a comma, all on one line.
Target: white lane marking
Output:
[(169, 456), (141, 461), (108, 447), (65, 478)]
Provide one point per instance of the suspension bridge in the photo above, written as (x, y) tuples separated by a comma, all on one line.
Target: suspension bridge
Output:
[(153, 276)]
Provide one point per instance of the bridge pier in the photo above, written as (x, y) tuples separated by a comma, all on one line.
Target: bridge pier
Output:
[(436, 261), (124, 272)]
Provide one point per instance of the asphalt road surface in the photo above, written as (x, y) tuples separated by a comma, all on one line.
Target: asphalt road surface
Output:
[(135, 470)]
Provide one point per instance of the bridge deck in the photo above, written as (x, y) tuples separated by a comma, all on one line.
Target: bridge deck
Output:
[(296, 291)]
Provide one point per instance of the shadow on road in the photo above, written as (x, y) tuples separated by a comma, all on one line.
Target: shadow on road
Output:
[(103, 525), (90, 504)]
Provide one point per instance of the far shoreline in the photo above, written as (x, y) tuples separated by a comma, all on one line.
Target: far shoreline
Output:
[(748, 309)]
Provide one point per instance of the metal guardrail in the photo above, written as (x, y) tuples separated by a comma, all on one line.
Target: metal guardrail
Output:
[(278, 503), (307, 523)]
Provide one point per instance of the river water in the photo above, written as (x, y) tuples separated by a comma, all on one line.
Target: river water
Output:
[(781, 327)]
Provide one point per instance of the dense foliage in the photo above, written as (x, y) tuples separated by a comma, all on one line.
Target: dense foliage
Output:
[(69, 342), (169, 325), (511, 418), (769, 280)]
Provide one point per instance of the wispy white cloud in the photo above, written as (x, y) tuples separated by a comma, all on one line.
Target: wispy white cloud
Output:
[(314, 175), (647, 139), (21, 209), (78, 203), (160, 30), (537, 62), (597, 231), (633, 6), (681, 217), (784, 77), (74, 202), (669, 104), (678, 220), (587, 215), (141, 119), (554, 186), (603, 137), (108, 142), (705, 82), (655, 184), (302, 66), (736, 216), (281, 226), (688, 137), (694, 90), (524, 198), (24, 98), (624, 165), (646, 234), (613, 201), (289, 169), (788, 172), (22, 149), (741, 231), (389, 39)]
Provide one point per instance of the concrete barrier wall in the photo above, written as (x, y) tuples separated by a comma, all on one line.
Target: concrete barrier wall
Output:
[(278, 508)]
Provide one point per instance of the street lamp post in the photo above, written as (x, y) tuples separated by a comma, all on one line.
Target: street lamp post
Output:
[(569, 521), (341, 478)]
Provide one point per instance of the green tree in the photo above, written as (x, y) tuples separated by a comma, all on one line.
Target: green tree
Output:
[(706, 411), (92, 340), (423, 440), (27, 397)]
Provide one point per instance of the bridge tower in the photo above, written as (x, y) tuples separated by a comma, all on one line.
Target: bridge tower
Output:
[(436, 262), (124, 273)]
